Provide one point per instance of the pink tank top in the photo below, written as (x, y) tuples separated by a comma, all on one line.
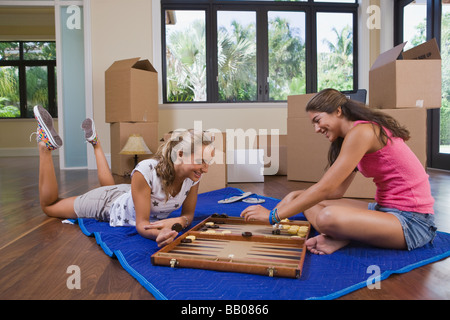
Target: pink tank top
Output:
[(400, 178)]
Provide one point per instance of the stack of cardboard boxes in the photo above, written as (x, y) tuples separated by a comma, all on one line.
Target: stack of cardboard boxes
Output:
[(403, 89), (131, 88)]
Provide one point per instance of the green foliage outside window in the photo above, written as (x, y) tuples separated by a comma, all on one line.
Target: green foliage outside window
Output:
[(236, 59), (11, 55)]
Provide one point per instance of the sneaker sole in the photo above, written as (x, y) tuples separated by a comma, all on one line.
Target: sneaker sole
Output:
[(46, 122), (89, 129)]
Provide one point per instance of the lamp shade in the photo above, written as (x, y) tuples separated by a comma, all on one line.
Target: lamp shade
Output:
[(135, 145)]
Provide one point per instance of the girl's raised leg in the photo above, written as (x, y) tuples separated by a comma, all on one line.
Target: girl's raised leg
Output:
[(49, 140), (104, 174), (51, 204)]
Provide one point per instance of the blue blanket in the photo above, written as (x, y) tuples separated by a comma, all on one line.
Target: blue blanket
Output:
[(323, 277)]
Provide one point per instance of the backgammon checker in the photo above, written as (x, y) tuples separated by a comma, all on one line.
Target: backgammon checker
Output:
[(232, 244)]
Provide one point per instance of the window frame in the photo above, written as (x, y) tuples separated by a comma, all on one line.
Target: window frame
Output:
[(261, 8), (22, 64)]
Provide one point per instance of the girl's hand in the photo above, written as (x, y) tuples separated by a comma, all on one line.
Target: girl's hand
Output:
[(258, 213), (165, 237), (155, 225), (165, 223), (165, 233)]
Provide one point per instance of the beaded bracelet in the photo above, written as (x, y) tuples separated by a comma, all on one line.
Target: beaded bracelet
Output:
[(273, 217), (187, 221)]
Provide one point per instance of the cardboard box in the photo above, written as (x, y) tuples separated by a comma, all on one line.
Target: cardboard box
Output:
[(246, 165), (414, 81), (131, 88), (216, 178), (276, 152), (307, 151), (297, 105), (307, 156), (120, 131), (273, 157)]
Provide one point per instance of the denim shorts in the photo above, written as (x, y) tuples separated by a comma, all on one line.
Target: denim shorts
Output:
[(418, 228)]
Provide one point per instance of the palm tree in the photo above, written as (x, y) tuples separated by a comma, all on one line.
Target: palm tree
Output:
[(186, 63), (335, 69), (236, 57), (343, 47), (286, 60)]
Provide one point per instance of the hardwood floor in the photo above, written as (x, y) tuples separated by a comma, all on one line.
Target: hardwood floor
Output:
[(35, 251)]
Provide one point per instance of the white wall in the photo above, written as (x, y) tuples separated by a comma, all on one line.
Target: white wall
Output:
[(119, 30)]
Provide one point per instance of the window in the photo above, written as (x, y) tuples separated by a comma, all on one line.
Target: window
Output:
[(27, 78), (185, 56), (236, 56), (335, 51), (414, 24), (256, 51), (444, 134), (287, 54)]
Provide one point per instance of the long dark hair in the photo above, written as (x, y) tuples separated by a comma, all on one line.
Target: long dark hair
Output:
[(328, 100)]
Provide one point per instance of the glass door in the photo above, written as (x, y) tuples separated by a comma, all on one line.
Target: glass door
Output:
[(415, 22), (444, 132)]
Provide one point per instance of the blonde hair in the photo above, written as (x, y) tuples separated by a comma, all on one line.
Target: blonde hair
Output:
[(186, 141)]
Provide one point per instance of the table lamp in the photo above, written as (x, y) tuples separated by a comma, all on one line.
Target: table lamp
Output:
[(135, 145)]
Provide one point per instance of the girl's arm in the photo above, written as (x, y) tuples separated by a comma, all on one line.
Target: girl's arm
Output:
[(337, 194), (141, 193), (357, 143), (340, 191), (187, 212), (189, 204)]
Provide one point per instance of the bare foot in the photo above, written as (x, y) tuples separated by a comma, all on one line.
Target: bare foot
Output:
[(323, 244)]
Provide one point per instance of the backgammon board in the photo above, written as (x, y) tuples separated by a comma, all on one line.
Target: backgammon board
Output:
[(232, 244)]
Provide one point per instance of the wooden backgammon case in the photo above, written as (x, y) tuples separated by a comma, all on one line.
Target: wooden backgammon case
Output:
[(232, 244)]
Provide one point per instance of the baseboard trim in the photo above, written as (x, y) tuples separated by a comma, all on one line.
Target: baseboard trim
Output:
[(22, 152)]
